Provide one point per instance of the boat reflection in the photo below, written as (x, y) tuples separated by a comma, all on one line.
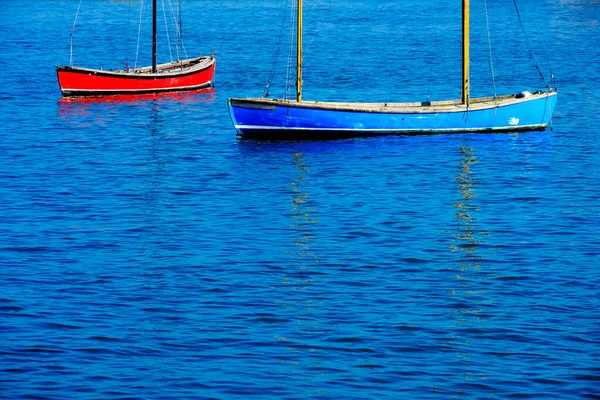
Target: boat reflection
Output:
[(468, 297), (302, 272), (78, 105), (302, 261), (302, 220), (467, 238)]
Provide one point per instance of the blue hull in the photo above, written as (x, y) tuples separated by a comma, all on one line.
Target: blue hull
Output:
[(282, 120)]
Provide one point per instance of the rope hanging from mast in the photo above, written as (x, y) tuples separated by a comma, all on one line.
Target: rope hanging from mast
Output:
[(137, 49), (71, 35), (547, 57), (181, 31), (437, 25), (490, 59), (180, 23), (178, 40), (128, 35), (317, 29), (167, 30), (277, 52), (531, 54), (288, 82)]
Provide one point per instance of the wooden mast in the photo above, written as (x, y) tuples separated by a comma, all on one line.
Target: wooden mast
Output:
[(465, 39), (153, 36), (299, 55)]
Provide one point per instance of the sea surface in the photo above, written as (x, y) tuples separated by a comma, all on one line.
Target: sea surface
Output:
[(146, 252)]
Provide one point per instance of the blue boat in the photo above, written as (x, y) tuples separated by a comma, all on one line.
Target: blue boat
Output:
[(277, 119)]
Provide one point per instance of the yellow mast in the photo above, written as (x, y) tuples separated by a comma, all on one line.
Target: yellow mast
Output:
[(465, 73), (299, 55)]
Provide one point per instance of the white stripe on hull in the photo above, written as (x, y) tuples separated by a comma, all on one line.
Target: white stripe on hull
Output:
[(283, 128)]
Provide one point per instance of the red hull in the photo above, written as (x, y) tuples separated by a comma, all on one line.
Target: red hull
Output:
[(193, 74)]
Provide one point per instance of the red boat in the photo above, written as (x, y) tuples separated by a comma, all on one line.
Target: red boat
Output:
[(181, 75), (191, 74)]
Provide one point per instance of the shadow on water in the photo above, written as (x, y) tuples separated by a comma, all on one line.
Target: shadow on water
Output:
[(468, 296)]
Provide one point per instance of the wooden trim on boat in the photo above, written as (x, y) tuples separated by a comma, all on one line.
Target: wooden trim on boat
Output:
[(394, 108), (196, 65)]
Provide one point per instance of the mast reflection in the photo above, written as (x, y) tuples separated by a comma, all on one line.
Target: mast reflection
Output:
[(302, 220), (301, 360), (467, 238), (468, 295)]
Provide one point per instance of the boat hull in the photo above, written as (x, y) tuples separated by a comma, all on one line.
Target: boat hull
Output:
[(187, 75), (281, 120)]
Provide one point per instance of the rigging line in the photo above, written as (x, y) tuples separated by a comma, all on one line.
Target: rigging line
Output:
[(175, 29), (137, 50), (312, 5), (128, 35), (181, 31), (339, 67), (277, 50), (531, 54), (437, 25), (490, 59), (538, 34), (177, 38), (71, 35), (167, 30), (57, 60), (308, 13), (316, 31), (290, 51), (288, 82)]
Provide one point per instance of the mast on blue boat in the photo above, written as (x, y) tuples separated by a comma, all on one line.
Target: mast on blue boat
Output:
[(465, 49), (299, 55)]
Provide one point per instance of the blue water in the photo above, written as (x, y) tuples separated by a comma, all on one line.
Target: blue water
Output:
[(145, 252)]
